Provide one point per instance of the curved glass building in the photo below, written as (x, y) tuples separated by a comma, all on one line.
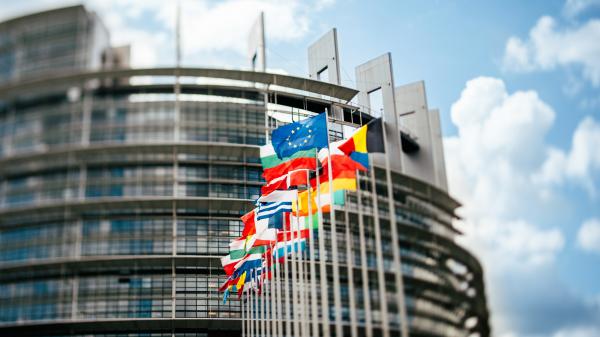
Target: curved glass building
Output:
[(120, 189)]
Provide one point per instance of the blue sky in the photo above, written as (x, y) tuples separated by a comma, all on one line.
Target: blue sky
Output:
[(518, 87)]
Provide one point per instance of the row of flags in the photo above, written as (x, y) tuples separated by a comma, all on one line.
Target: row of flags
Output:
[(305, 175)]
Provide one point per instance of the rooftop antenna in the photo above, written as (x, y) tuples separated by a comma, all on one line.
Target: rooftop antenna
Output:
[(178, 35), (177, 87)]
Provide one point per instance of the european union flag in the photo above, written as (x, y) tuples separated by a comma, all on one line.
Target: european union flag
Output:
[(303, 135)]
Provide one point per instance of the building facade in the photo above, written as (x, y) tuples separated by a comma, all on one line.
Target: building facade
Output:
[(118, 199)]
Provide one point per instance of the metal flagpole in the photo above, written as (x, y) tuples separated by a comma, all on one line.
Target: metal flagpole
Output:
[(261, 299), (286, 285), (301, 279), (350, 265), (273, 290), (250, 308), (337, 303), (322, 261), (256, 305), (267, 297), (243, 317), (294, 284), (379, 255), (364, 266), (313, 284)]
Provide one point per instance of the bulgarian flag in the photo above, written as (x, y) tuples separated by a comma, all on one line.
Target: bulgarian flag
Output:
[(275, 167)]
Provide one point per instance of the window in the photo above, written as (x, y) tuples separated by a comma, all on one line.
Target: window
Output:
[(376, 102), (323, 75)]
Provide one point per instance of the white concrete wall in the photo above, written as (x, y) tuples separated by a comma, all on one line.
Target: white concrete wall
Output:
[(439, 162), (372, 75), (256, 44), (324, 53)]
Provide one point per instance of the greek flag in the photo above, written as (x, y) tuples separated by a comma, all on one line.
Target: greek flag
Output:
[(269, 209)]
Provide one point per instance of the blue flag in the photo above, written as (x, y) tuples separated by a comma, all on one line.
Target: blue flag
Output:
[(303, 135), (268, 209)]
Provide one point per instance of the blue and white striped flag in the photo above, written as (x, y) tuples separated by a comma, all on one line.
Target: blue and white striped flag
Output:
[(269, 209)]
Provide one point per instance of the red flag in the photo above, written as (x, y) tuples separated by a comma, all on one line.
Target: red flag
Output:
[(298, 177), (341, 167), (280, 183), (249, 224), (293, 164)]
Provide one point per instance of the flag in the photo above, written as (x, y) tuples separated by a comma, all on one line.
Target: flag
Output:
[(248, 262), (228, 263), (274, 167), (339, 162), (339, 198), (249, 223), (304, 222), (237, 248), (366, 139), (264, 238), (276, 221), (279, 183), (286, 247), (325, 200), (279, 196), (287, 235), (269, 209), (297, 177), (303, 135)]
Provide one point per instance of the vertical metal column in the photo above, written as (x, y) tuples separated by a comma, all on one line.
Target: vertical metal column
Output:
[(313, 272), (397, 262), (337, 302), (364, 265), (350, 266), (379, 255), (322, 263)]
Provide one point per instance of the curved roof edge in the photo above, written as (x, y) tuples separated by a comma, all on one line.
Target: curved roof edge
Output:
[(294, 82)]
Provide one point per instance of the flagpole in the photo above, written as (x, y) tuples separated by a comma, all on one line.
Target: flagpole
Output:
[(261, 298), (294, 276), (243, 316), (278, 289), (334, 249), (322, 260), (350, 265), (273, 290), (364, 265), (313, 272), (251, 306), (301, 278), (288, 317), (267, 297)]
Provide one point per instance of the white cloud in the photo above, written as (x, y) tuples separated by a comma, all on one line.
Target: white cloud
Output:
[(492, 166), (585, 331), (500, 139), (580, 164), (573, 8), (207, 27), (588, 236), (549, 46)]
